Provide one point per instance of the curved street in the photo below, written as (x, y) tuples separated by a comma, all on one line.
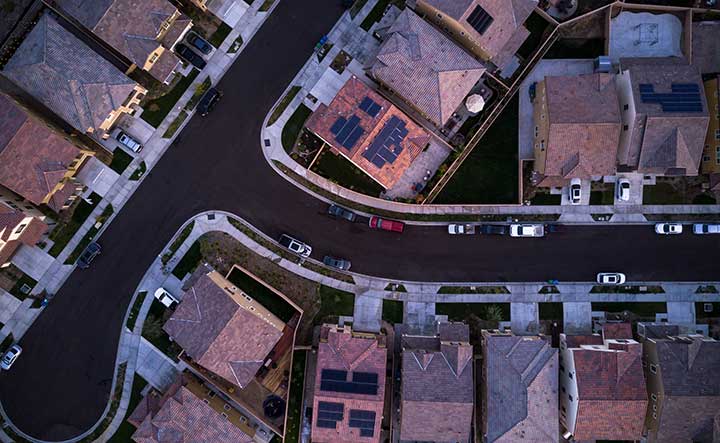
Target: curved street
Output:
[(60, 387)]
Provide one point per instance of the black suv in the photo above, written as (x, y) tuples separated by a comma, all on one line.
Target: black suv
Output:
[(190, 55), (493, 229), (207, 102)]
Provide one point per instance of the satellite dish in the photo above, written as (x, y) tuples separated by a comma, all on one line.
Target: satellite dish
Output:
[(475, 103)]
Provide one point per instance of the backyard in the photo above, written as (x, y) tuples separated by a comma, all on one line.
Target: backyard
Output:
[(262, 294), (392, 311), (295, 397), (120, 161), (340, 170)]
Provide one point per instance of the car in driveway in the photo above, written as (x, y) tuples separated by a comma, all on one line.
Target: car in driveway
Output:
[(165, 297), (611, 278), (128, 141), (493, 229), (295, 245), (340, 212), (189, 55), (575, 191), (527, 230), (706, 228), (208, 101), (198, 43), (386, 225), (10, 357), (668, 228), (91, 251), (623, 189), (337, 263)]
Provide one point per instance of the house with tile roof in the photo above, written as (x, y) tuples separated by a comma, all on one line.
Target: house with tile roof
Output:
[(223, 329), (425, 68), (519, 388), (577, 128), (36, 162), (349, 391), (491, 29), (371, 132), (17, 229), (144, 32), (664, 115), (602, 387), (437, 395), (71, 80), (683, 387)]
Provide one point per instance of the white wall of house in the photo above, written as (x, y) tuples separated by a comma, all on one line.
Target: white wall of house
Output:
[(625, 97), (568, 387)]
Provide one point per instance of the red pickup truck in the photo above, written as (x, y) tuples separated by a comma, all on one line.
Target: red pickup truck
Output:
[(386, 225)]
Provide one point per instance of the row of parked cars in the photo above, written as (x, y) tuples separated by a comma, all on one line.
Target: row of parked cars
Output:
[(515, 229), (677, 228), (622, 189)]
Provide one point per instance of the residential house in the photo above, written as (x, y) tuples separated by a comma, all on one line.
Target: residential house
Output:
[(229, 11), (706, 46), (17, 229), (491, 29), (711, 151), (577, 128), (437, 396), (349, 390), (425, 68), (664, 116), (684, 390), (602, 387), (142, 31), (520, 388), (36, 163), (71, 80), (224, 330), (189, 411), (371, 132)]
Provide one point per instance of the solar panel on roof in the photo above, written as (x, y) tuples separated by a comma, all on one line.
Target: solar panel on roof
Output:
[(329, 413), (387, 145), (685, 97), (366, 432), (347, 129), (338, 125), (374, 109), (365, 104), (480, 20), (364, 420), (333, 374), (359, 414), (364, 377), (328, 424), (331, 406), (353, 138)]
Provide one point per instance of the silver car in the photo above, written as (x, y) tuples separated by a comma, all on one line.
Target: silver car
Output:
[(611, 278), (129, 142), (10, 357), (668, 228), (706, 228)]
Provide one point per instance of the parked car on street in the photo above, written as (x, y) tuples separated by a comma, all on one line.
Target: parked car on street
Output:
[(164, 297), (623, 189), (668, 228), (128, 141), (611, 278), (458, 229), (575, 191), (189, 55), (91, 251), (208, 101), (527, 230), (295, 245), (337, 263), (198, 43), (386, 225), (340, 212), (706, 228), (493, 229), (10, 357)]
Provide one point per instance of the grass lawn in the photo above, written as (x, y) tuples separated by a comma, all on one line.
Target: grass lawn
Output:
[(178, 242), (280, 108), (155, 111), (340, 170), (152, 331), (126, 430), (220, 35), (334, 302), (274, 303), (120, 161), (392, 311), (646, 309), (293, 126), (25, 280), (189, 262), (292, 432), (490, 173), (545, 199), (236, 45), (138, 172), (460, 311), (356, 7), (550, 311), (7, 342), (704, 199), (175, 125), (62, 234), (135, 310), (700, 309), (606, 197), (199, 91), (267, 4), (662, 194), (378, 11), (90, 235)]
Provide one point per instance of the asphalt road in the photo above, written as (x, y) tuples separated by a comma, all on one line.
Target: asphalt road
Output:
[(60, 385)]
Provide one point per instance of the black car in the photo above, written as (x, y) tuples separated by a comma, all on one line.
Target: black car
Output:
[(198, 43), (493, 229), (208, 100), (88, 255), (190, 55), (339, 211)]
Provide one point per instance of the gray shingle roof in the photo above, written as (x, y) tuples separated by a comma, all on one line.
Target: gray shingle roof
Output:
[(87, 12), (688, 366)]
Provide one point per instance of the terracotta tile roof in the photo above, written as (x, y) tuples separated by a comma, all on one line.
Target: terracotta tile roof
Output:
[(521, 388), (617, 330), (223, 331), (10, 221), (505, 34), (437, 388), (425, 68), (341, 349), (68, 77), (345, 105)]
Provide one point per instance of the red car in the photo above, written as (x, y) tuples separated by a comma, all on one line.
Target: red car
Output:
[(386, 225)]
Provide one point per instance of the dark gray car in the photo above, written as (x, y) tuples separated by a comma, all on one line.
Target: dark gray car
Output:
[(493, 229), (340, 212), (337, 263), (88, 255), (190, 55)]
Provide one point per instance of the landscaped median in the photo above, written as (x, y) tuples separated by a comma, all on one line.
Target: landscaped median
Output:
[(65, 230), (99, 222)]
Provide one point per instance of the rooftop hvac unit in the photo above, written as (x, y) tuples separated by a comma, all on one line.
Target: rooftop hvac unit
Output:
[(603, 64)]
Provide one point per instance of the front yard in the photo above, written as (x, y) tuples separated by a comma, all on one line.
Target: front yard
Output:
[(295, 397), (677, 191), (153, 332), (342, 171), (156, 109), (292, 128), (65, 230)]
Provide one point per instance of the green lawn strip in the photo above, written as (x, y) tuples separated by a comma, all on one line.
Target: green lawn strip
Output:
[(378, 11), (295, 397), (546, 199), (189, 262), (704, 199), (356, 7), (605, 197), (550, 311), (267, 4), (293, 126), (220, 35), (62, 234), (662, 194), (700, 309), (334, 302), (175, 125), (120, 161), (262, 294), (392, 311), (135, 310), (342, 171), (197, 95), (328, 272), (642, 309), (178, 242), (139, 172), (236, 45), (7, 342), (90, 235), (623, 289), (155, 111), (485, 311), (25, 280), (152, 331), (473, 290), (395, 287), (126, 430), (282, 252), (489, 175), (280, 108)]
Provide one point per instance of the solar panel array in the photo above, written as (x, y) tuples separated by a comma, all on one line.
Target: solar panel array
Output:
[(329, 413), (684, 97), (480, 20), (370, 107), (333, 380), (363, 420), (386, 146), (347, 132)]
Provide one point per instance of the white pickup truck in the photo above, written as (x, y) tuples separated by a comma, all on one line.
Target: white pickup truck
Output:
[(456, 229), (527, 230)]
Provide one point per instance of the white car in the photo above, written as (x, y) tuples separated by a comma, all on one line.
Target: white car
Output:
[(128, 141), (705, 228), (623, 189), (295, 245), (575, 191), (529, 230), (611, 278), (166, 298), (10, 356), (668, 228)]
